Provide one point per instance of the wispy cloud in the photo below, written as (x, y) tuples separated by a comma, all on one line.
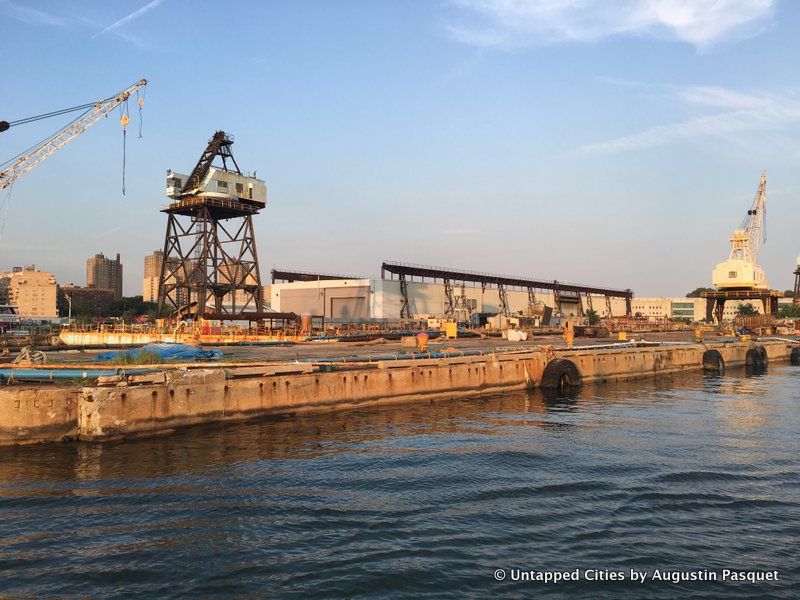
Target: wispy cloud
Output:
[(128, 18), (519, 23), (31, 16), (735, 112)]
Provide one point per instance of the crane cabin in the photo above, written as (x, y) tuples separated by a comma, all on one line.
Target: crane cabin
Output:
[(221, 184), (739, 274)]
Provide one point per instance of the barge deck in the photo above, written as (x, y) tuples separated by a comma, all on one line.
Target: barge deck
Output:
[(153, 400)]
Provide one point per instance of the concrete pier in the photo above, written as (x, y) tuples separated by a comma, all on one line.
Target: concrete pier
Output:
[(157, 403)]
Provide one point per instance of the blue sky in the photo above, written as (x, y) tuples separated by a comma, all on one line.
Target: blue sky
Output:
[(608, 142)]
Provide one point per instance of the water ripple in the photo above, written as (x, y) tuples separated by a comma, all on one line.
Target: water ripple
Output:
[(678, 472)]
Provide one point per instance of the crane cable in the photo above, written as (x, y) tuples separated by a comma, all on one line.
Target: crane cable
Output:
[(4, 125), (140, 102), (55, 113), (24, 152), (124, 119)]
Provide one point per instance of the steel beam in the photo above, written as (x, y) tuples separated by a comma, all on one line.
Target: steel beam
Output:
[(208, 259), (405, 310), (292, 276), (501, 292), (449, 301), (496, 280)]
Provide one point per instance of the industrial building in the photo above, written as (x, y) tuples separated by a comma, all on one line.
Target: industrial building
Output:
[(435, 293), (32, 291), (691, 309), (105, 274)]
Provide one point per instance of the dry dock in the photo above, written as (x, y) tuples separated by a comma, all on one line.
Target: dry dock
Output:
[(166, 398)]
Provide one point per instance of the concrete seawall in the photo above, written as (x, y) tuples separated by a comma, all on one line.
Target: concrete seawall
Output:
[(158, 403)]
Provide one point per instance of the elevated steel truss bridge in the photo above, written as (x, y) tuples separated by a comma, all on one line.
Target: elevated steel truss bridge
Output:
[(284, 276), (564, 293)]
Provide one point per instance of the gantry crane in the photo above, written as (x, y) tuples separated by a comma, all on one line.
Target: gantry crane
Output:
[(741, 271), (210, 267), (93, 112)]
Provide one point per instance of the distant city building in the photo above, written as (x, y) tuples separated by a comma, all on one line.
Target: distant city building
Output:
[(152, 276), (152, 264), (32, 291), (104, 274), (86, 300), (152, 272)]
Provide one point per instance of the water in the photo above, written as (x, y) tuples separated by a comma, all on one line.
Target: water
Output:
[(677, 473)]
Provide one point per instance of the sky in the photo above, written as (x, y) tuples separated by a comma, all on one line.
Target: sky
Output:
[(607, 142)]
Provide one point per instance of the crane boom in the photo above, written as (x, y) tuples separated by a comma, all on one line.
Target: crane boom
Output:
[(754, 221), (219, 145), (39, 153)]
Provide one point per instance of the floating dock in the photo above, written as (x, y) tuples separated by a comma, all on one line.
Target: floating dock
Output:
[(151, 400), (121, 337)]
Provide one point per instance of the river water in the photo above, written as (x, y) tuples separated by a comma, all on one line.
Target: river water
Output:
[(681, 474)]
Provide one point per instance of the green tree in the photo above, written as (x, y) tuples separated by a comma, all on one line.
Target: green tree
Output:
[(696, 292), (593, 317), (789, 312), (788, 293), (746, 309), (129, 307)]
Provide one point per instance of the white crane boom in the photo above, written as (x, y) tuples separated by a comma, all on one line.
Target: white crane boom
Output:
[(754, 221), (36, 155)]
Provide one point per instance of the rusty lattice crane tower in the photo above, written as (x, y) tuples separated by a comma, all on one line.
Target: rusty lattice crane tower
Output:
[(210, 267)]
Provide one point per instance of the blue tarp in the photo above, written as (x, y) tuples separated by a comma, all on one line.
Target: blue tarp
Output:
[(168, 353)]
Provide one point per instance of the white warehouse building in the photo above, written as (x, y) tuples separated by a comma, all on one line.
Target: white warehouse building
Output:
[(382, 298)]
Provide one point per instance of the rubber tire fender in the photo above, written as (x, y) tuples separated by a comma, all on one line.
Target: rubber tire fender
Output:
[(713, 361), (794, 356), (560, 373), (762, 352), (755, 358)]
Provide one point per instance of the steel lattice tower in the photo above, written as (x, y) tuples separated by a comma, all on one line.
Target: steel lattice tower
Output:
[(210, 268)]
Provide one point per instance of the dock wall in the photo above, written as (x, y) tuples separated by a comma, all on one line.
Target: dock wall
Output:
[(160, 402)]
